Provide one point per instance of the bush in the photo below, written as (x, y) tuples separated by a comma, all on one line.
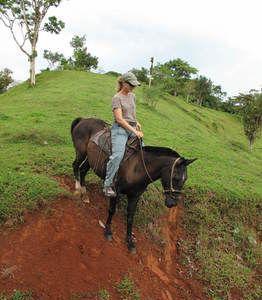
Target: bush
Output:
[(127, 289), (5, 79), (142, 74), (113, 73)]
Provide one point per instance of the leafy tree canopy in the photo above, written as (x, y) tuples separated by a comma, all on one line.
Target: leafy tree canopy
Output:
[(249, 106), (5, 79), (141, 74), (82, 59)]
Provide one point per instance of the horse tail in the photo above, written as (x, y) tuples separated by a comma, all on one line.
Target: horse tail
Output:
[(74, 123)]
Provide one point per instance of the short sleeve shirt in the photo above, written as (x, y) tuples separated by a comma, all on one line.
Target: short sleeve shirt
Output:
[(127, 104)]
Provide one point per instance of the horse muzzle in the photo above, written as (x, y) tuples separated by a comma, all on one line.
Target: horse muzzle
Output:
[(171, 202)]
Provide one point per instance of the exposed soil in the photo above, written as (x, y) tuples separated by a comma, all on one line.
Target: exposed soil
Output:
[(60, 253)]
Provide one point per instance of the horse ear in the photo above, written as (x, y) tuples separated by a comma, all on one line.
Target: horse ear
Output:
[(189, 161)]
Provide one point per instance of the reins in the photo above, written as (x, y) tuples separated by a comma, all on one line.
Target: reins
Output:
[(171, 189), (143, 160)]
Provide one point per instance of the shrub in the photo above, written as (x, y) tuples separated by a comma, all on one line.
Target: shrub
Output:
[(5, 79)]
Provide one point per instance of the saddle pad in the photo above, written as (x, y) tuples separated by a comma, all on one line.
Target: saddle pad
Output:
[(103, 140)]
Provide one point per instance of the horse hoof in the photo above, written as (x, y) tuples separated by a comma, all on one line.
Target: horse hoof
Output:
[(85, 199), (132, 249), (109, 237)]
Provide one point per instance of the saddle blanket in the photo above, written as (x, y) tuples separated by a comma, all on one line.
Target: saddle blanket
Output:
[(103, 140)]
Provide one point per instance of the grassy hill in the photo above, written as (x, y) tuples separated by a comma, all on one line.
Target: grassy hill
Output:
[(224, 187)]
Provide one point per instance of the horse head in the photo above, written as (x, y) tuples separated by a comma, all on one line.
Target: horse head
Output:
[(173, 177)]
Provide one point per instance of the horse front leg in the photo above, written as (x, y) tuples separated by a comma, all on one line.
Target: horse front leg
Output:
[(111, 211), (131, 210)]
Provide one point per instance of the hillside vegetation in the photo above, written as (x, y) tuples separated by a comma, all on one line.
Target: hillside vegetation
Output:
[(224, 187)]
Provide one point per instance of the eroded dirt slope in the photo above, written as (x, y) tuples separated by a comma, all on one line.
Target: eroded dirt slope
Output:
[(60, 253)]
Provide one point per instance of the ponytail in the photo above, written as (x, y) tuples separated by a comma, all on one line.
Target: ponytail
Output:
[(120, 82)]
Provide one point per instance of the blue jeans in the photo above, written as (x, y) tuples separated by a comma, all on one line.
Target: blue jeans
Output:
[(119, 137)]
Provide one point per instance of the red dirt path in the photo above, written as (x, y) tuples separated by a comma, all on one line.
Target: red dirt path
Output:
[(60, 253)]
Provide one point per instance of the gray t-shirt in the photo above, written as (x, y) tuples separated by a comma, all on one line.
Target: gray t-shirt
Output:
[(127, 104)]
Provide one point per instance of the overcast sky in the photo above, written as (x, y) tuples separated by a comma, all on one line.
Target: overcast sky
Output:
[(221, 38)]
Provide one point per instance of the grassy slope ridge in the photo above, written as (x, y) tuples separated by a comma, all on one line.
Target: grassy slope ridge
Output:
[(35, 144)]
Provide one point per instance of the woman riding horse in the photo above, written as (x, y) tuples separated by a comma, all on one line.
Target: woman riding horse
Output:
[(134, 175), (125, 125)]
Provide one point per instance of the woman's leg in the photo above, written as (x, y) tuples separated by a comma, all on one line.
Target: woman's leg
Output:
[(119, 138)]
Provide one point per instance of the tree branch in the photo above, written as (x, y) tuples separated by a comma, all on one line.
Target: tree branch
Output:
[(20, 46), (25, 39), (4, 22), (25, 19)]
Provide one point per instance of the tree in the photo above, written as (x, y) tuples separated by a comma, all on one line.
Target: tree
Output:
[(53, 58), (189, 90), (141, 74), (250, 107), (5, 79), (24, 19), (81, 58), (66, 64), (229, 106), (113, 73), (173, 75), (180, 69), (203, 89)]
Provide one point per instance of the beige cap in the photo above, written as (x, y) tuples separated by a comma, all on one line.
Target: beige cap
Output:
[(129, 77)]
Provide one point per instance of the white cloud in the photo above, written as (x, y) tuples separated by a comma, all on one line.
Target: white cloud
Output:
[(221, 38)]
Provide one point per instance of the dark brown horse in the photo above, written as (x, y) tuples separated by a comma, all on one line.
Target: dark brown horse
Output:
[(134, 175)]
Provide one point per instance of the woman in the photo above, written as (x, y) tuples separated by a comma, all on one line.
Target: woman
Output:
[(125, 124)]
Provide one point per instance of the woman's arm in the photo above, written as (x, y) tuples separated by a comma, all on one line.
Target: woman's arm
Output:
[(123, 123)]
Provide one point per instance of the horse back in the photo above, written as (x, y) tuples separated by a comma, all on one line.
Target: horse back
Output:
[(82, 129)]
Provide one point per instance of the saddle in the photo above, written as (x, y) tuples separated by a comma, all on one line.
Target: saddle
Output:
[(103, 140)]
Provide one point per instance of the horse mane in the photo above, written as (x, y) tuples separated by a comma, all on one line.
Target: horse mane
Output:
[(161, 151)]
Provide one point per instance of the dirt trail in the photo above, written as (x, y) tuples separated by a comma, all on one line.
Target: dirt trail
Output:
[(60, 253)]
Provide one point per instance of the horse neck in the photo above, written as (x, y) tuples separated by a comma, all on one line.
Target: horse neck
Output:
[(155, 164)]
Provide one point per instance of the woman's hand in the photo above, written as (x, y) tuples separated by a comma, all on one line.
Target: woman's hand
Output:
[(139, 134), (138, 126)]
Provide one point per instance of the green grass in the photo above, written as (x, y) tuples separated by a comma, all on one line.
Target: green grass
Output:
[(103, 294), (17, 295), (224, 186), (127, 289)]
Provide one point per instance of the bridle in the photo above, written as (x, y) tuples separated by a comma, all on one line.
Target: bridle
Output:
[(165, 191), (171, 189)]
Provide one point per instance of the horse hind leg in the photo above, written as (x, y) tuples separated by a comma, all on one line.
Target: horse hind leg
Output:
[(83, 170), (80, 168)]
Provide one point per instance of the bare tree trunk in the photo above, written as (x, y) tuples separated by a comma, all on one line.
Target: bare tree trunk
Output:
[(150, 81), (250, 146), (32, 65), (32, 71)]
